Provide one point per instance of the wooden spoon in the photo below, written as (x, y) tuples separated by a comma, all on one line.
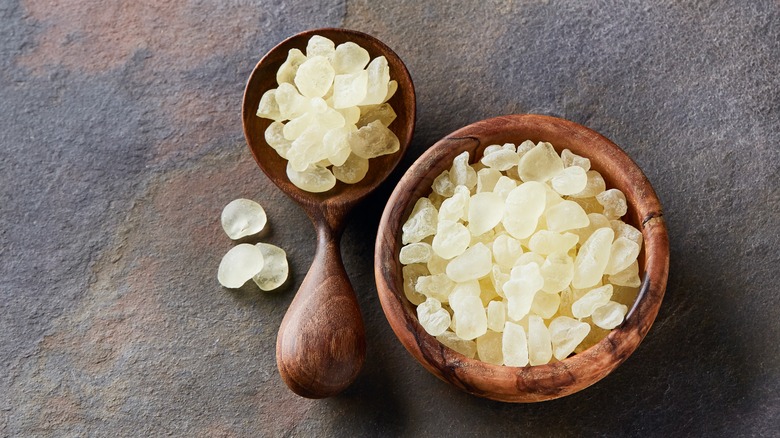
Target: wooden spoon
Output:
[(321, 344)]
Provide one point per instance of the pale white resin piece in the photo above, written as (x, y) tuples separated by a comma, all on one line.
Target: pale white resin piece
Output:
[(314, 77), (506, 251), (374, 140), (437, 286), (539, 343), (451, 340), (243, 217), (352, 171), (485, 212), (275, 267), (622, 254), (591, 301), (433, 318), (557, 271), (268, 108), (411, 273), (546, 242), (315, 179), (274, 136), (570, 159), (540, 163), (350, 58), (383, 112), (627, 277), (451, 239), (566, 333), (461, 173), (419, 252), (286, 73), (609, 315), (496, 315), (378, 77), (524, 205), (545, 305), (349, 89), (470, 317), (240, 264), (320, 46), (515, 345), (472, 264), (571, 180), (614, 202), (421, 223), (489, 348), (592, 259), (566, 215)]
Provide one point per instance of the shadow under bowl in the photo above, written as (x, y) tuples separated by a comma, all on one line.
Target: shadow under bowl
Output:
[(541, 382)]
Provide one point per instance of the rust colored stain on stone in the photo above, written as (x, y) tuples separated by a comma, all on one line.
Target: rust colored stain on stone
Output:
[(99, 36)]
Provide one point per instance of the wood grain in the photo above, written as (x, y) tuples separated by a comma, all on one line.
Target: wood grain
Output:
[(531, 383), (321, 343)]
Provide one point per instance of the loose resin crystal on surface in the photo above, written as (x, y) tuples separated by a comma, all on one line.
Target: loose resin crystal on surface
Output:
[(239, 265), (243, 217), (275, 268), (434, 319), (565, 334)]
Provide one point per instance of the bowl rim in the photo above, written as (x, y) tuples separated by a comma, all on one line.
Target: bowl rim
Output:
[(530, 383)]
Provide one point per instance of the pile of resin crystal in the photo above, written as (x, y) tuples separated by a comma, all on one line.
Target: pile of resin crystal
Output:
[(263, 263), (521, 258), (334, 103)]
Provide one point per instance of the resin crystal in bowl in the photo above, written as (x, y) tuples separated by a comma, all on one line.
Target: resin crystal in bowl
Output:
[(541, 382)]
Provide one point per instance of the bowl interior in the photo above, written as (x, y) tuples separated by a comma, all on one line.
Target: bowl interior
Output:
[(531, 383)]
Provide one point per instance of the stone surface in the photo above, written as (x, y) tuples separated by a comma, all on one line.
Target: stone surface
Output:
[(120, 142)]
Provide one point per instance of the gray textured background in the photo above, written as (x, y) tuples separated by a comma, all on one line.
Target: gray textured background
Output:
[(120, 142)]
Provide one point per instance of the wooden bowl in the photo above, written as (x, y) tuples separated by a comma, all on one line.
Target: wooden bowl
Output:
[(530, 383)]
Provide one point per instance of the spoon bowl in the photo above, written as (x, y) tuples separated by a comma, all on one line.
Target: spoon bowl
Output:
[(320, 347)]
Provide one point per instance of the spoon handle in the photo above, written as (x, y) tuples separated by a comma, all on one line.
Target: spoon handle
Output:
[(321, 344)]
